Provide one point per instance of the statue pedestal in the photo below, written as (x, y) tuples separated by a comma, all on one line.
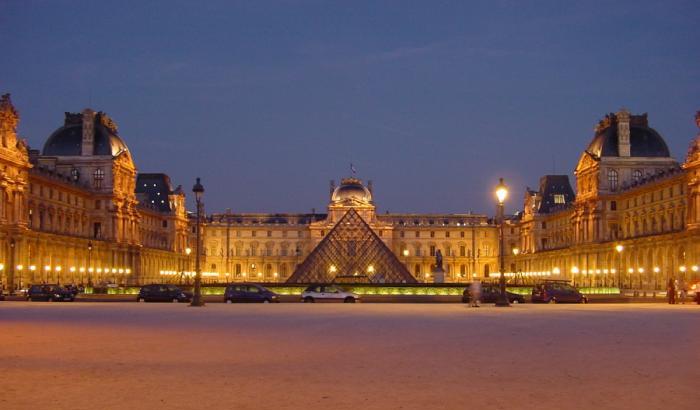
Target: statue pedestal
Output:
[(438, 275)]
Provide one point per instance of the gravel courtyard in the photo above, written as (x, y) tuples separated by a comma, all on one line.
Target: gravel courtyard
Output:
[(361, 356)]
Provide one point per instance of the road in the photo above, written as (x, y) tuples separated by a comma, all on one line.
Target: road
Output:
[(348, 356)]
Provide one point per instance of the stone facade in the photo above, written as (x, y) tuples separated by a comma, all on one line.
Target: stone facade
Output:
[(268, 247), (634, 220), (70, 213)]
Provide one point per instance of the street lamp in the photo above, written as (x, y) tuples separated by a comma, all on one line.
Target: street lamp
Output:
[(516, 252), (198, 190), (89, 263), (501, 195), (619, 248)]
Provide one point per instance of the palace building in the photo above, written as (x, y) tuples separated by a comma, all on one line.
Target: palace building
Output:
[(350, 242), (634, 220), (78, 211)]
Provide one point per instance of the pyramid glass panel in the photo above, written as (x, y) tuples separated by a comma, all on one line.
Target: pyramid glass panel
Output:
[(352, 253)]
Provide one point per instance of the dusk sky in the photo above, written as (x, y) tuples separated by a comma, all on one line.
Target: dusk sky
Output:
[(433, 101)]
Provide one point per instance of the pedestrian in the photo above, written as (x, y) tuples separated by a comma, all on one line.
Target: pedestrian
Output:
[(671, 292), (683, 290), (475, 293)]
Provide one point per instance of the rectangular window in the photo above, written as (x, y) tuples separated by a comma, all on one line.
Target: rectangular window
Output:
[(461, 234), (269, 234), (559, 199), (613, 205), (417, 234), (97, 230), (462, 250), (432, 250), (432, 234)]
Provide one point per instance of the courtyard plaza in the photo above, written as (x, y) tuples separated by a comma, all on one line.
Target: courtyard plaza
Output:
[(366, 356)]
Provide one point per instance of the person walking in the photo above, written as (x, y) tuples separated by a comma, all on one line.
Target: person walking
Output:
[(671, 292), (683, 290), (475, 293)]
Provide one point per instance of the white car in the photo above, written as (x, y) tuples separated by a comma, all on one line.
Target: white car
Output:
[(328, 293)]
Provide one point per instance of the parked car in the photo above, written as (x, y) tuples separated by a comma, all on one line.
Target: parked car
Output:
[(328, 293), (249, 293), (490, 294), (50, 293), (163, 293), (557, 292)]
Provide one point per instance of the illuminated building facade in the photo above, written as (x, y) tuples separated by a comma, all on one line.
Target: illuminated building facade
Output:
[(634, 220), (78, 212), (269, 247)]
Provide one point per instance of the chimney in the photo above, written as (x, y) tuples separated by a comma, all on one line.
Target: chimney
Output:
[(623, 132), (88, 132)]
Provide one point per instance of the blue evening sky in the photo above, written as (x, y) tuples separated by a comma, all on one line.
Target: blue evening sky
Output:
[(433, 101)]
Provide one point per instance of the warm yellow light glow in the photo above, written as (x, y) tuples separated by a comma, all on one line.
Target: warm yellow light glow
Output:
[(128, 271), (370, 269), (640, 270), (630, 270), (405, 252), (90, 270), (99, 270), (275, 274), (605, 271), (501, 191), (694, 268), (114, 270), (555, 271), (121, 270), (82, 269), (20, 267), (252, 266), (613, 270), (332, 269), (32, 268), (2, 266), (682, 268), (58, 268), (72, 269), (516, 251), (574, 269), (656, 269), (619, 248), (47, 268), (260, 274), (188, 251), (585, 272)]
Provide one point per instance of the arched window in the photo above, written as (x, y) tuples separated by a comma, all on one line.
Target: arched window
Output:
[(97, 177), (462, 270), (416, 270), (238, 269), (636, 175), (612, 179)]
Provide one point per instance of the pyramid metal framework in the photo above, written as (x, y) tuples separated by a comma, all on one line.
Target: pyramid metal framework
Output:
[(351, 250)]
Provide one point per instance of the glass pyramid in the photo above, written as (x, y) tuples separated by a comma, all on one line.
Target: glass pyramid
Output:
[(352, 253)]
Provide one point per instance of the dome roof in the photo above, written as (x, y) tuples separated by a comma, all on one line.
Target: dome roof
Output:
[(351, 189), (68, 140), (644, 141)]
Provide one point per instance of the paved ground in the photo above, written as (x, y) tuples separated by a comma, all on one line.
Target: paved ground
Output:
[(362, 356)]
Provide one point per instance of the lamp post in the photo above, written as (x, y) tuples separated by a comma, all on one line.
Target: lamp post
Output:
[(89, 263), (501, 194), (188, 251), (516, 251), (619, 248), (11, 272), (198, 190)]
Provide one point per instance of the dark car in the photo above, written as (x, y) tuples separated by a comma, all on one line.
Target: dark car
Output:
[(490, 294), (249, 293), (163, 293), (50, 293), (557, 292)]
